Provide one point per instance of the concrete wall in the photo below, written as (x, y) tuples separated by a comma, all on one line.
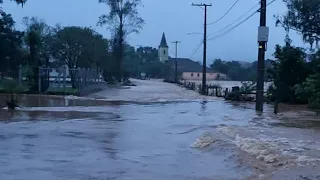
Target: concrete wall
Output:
[(198, 76)]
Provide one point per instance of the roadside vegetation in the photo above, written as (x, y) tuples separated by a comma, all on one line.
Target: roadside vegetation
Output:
[(294, 71), (40, 45)]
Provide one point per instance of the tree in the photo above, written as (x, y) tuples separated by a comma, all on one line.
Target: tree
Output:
[(99, 52), (144, 59), (156, 69), (235, 70), (17, 1), (22, 2), (38, 38), (304, 17), (310, 90), (219, 66), (147, 54), (123, 20), (289, 70), (150, 64), (10, 45), (132, 63), (314, 62), (44, 35), (79, 47)]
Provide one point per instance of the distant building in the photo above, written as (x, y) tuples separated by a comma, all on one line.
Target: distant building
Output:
[(163, 50), (191, 70), (188, 69)]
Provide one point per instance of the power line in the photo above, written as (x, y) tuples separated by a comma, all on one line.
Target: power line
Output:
[(240, 17), (204, 64), (201, 7), (176, 61), (270, 3), (231, 29), (196, 50), (224, 15), (237, 25)]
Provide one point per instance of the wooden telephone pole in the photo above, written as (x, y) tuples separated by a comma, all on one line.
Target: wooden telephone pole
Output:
[(204, 64), (176, 62), (263, 34)]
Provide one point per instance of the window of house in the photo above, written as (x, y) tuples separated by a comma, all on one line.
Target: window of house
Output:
[(191, 74), (164, 52), (198, 75)]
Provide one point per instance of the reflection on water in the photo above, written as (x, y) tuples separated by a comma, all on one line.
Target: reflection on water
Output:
[(6, 115), (79, 138), (56, 101), (115, 142), (203, 105)]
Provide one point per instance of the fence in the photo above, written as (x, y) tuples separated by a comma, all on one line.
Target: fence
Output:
[(65, 80), (211, 89)]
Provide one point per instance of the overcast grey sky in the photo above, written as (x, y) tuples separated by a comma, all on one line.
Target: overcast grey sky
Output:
[(174, 17)]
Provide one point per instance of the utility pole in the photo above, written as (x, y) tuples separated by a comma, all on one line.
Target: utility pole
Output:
[(176, 62), (204, 64), (263, 35)]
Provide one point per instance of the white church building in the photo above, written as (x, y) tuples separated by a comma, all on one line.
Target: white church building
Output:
[(189, 70), (163, 50)]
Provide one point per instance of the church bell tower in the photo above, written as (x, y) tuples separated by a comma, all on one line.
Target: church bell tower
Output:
[(163, 50)]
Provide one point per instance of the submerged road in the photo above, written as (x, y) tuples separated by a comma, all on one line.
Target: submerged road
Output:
[(152, 131)]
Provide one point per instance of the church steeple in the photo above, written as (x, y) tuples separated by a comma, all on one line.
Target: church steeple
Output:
[(163, 50), (163, 42)]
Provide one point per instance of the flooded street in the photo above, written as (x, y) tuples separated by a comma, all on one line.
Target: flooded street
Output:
[(153, 131)]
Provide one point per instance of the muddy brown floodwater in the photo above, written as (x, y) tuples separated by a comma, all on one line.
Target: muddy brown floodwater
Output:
[(154, 131)]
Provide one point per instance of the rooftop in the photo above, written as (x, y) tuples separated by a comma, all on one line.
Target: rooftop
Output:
[(187, 65)]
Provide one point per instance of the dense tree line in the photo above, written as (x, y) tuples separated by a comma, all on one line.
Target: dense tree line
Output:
[(296, 73), (238, 71), (41, 45)]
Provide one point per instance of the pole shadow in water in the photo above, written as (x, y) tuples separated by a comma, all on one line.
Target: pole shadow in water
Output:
[(203, 105)]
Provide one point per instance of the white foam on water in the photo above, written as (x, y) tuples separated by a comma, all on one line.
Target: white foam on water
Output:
[(204, 141), (276, 151), (263, 150), (227, 131), (307, 160)]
